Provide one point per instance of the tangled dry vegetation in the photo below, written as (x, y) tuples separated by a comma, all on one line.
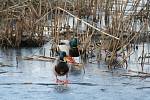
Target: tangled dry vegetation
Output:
[(115, 27)]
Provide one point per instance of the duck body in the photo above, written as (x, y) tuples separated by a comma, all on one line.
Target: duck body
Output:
[(61, 68), (74, 52)]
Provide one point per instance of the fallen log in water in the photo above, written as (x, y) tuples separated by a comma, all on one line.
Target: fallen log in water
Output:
[(131, 75), (136, 74), (6, 65), (47, 84), (143, 88), (38, 58), (139, 72), (3, 72)]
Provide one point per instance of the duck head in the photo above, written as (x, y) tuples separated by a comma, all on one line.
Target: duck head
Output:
[(62, 54), (74, 42)]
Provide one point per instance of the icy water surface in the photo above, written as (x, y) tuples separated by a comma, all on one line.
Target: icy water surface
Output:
[(34, 80)]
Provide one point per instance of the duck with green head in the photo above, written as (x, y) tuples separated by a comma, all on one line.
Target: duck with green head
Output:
[(61, 68), (74, 52)]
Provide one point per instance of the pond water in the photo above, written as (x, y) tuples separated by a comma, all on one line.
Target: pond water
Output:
[(34, 80)]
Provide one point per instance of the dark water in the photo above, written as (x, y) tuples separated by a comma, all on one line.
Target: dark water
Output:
[(34, 80)]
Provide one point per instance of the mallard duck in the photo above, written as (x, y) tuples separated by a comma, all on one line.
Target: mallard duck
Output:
[(73, 51), (61, 67)]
